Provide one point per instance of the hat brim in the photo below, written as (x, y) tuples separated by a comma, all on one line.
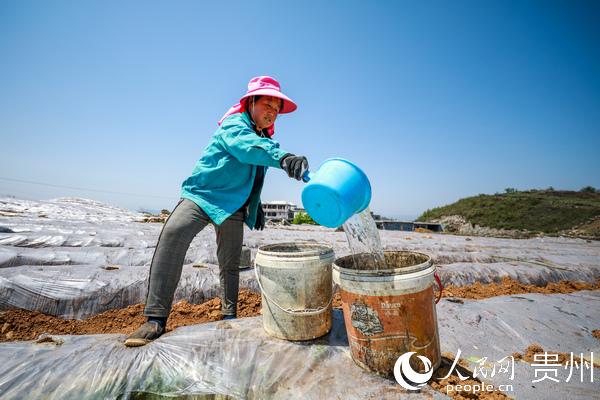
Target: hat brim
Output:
[(288, 105)]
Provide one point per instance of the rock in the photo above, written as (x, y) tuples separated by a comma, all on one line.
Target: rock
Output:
[(10, 335), (459, 225), (45, 338), (160, 218), (223, 325), (452, 223), (5, 327), (154, 219)]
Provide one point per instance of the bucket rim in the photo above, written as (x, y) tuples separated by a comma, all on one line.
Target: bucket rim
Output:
[(314, 249), (386, 272)]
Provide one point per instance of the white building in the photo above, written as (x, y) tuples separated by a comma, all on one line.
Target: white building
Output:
[(279, 210)]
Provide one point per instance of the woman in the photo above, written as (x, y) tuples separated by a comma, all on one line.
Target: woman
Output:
[(223, 190)]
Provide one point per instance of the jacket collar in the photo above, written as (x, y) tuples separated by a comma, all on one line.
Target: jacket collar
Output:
[(263, 133)]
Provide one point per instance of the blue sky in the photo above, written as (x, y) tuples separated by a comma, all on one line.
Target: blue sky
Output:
[(434, 100)]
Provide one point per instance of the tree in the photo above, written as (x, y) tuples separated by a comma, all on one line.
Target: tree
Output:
[(589, 189), (303, 218), (510, 190)]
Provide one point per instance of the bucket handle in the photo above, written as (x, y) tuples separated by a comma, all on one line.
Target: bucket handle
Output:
[(307, 176), (440, 286), (306, 312)]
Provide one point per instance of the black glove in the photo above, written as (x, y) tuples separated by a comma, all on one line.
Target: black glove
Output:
[(295, 166), (260, 218)]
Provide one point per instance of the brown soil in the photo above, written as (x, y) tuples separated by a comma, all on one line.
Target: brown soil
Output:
[(534, 349), (509, 286), (478, 291), (454, 379), (423, 230), (563, 358), (337, 300), (6, 213), (28, 325)]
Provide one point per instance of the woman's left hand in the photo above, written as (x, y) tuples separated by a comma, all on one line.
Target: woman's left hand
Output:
[(260, 218)]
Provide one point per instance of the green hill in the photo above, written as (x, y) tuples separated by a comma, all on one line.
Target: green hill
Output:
[(546, 211)]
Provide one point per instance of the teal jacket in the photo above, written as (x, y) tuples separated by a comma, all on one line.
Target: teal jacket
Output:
[(222, 179)]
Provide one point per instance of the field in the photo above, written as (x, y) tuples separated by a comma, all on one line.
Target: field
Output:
[(73, 277)]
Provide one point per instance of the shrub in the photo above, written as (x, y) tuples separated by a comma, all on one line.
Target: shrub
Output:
[(588, 189), (303, 218)]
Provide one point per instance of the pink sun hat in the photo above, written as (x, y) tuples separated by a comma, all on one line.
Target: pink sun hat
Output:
[(265, 86)]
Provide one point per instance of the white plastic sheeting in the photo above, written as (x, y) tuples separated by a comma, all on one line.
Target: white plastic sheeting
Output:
[(82, 291), (67, 208), (74, 258), (527, 272), (235, 359), (53, 256), (225, 359), (499, 326)]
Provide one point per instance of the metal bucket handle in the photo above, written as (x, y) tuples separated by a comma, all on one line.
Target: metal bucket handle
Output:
[(440, 286), (307, 312)]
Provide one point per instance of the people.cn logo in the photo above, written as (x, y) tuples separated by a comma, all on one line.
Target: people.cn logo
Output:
[(402, 370)]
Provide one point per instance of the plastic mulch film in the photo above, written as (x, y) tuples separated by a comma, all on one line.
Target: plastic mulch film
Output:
[(487, 331), (237, 360), (82, 291), (223, 360), (534, 272), (45, 279), (75, 258)]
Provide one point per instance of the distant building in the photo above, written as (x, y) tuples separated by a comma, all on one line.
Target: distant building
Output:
[(378, 217), (279, 210), (392, 225)]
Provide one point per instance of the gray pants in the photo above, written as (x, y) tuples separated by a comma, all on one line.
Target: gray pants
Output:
[(184, 223)]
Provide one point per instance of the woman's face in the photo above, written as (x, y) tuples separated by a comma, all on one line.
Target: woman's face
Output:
[(265, 111)]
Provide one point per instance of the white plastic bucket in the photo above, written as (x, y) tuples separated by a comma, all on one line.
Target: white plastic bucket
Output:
[(296, 289)]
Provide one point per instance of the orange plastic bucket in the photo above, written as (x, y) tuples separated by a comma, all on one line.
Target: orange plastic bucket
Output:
[(389, 312)]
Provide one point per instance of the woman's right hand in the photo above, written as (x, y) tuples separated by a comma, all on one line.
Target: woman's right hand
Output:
[(294, 166)]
